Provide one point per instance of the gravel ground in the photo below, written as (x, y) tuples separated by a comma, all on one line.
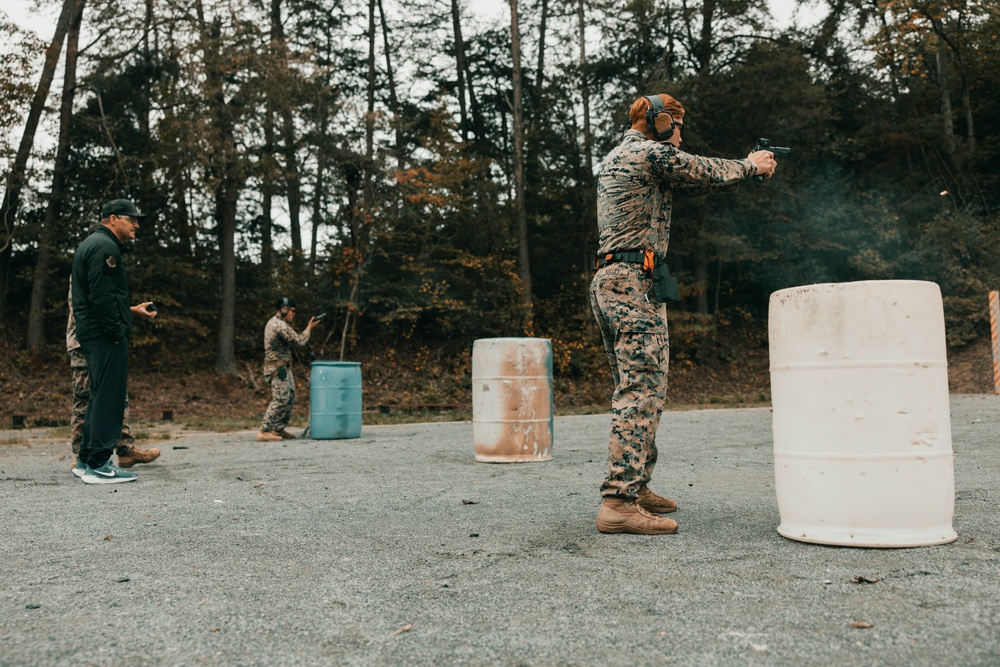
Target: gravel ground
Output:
[(398, 549)]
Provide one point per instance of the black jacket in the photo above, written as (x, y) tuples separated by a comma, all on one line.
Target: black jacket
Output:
[(100, 289)]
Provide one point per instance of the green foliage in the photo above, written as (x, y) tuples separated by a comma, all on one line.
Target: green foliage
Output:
[(416, 252)]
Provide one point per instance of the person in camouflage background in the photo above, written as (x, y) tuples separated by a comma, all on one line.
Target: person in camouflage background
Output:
[(128, 453), (635, 188), (278, 338)]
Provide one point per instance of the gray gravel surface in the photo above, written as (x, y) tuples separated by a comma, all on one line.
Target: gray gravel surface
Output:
[(365, 552)]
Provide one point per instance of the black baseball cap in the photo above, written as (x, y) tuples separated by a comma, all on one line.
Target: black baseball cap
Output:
[(122, 207)]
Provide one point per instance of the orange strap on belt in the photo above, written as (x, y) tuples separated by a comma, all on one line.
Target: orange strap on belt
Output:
[(647, 260)]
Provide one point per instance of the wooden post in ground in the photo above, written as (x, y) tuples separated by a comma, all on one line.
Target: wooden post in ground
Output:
[(994, 324)]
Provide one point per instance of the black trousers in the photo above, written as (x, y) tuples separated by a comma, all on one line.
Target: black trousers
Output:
[(107, 366)]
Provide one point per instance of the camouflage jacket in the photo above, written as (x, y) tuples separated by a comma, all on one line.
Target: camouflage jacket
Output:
[(636, 185), (278, 339), (77, 359), (71, 342)]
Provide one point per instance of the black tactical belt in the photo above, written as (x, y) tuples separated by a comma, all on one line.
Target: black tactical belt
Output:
[(628, 256)]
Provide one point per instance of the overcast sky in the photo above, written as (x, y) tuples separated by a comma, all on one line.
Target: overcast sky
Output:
[(42, 21)]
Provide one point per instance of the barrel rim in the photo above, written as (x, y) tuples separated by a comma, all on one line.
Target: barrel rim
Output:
[(336, 363), (852, 284)]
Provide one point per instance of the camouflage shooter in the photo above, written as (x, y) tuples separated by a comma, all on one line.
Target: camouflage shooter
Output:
[(278, 339), (636, 185)]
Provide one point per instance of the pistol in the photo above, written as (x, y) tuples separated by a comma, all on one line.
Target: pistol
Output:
[(765, 145)]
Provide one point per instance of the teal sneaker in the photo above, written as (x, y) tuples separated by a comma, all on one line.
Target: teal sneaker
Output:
[(108, 473), (79, 468)]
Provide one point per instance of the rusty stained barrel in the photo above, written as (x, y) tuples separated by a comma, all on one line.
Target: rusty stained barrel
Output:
[(512, 399)]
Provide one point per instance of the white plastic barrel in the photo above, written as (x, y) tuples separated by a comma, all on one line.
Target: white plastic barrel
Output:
[(512, 399), (862, 428)]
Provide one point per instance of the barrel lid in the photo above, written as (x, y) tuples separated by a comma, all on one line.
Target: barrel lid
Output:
[(336, 363)]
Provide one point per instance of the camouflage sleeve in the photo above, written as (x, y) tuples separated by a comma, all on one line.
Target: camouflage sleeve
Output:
[(693, 174), (71, 342), (288, 333)]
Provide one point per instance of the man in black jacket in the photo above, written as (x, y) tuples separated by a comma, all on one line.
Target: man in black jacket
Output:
[(103, 327)]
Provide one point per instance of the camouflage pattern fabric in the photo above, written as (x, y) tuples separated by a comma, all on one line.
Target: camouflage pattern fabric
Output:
[(635, 337), (81, 389), (279, 412), (635, 189), (278, 339), (636, 185)]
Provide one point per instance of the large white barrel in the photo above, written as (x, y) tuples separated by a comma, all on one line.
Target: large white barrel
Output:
[(512, 399), (862, 428)]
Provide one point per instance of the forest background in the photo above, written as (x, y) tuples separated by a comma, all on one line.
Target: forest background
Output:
[(426, 177)]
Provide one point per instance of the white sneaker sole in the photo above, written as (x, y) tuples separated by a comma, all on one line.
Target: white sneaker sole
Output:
[(94, 479)]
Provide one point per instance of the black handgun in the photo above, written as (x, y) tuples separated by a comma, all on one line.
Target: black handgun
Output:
[(765, 145)]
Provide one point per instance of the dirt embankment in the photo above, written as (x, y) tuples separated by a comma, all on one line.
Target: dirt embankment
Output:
[(41, 390)]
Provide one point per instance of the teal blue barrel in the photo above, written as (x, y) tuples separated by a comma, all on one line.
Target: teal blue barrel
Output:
[(335, 400)]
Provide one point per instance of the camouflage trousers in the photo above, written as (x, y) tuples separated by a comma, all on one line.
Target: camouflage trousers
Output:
[(634, 332), (279, 412), (81, 399)]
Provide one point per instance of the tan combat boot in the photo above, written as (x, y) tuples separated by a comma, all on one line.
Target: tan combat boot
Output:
[(620, 515), (134, 455), (654, 502), (285, 435), (267, 436)]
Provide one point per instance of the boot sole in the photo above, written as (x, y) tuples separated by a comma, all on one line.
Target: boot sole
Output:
[(129, 464), (618, 528)]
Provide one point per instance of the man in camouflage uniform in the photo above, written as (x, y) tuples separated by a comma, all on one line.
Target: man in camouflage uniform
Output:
[(128, 453), (278, 338), (636, 185)]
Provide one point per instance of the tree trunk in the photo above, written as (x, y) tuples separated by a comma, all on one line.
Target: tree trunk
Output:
[(292, 176), (456, 22), (588, 197), (317, 214), (268, 171), (267, 195), (970, 127), (588, 137), (524, 268), (15, 180), (182, 220), (701, 279), (39, 288), (947, 117), (705, 49), (147, 164), (370, 115), (393, 100), (225, 213), (540, 74), (225, 168)]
